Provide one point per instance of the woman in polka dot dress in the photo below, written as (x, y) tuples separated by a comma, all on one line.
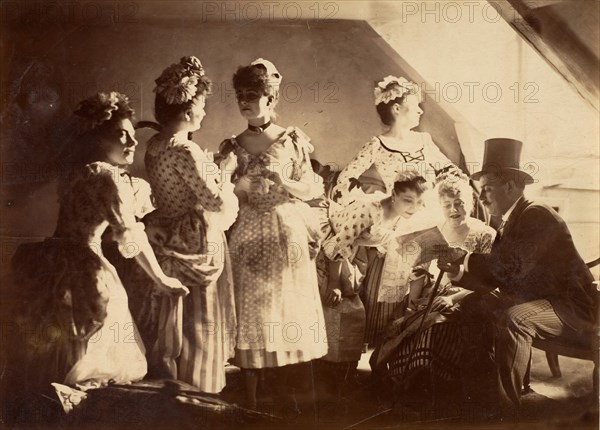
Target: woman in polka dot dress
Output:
[(195, 205), (362, 223), (275, 238), (396, 151)]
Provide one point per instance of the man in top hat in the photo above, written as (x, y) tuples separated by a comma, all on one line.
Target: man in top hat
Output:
[(533, 284)]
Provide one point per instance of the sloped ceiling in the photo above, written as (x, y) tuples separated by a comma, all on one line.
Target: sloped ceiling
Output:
[(566, 33)]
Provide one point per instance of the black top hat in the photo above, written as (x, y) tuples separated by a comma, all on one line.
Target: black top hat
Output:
[(501, 159)]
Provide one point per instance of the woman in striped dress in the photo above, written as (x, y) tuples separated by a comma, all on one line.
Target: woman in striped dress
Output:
[(392, 153), (195, 205), (353, 227)]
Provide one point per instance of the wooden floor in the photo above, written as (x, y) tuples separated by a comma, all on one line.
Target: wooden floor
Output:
[(564, 402)]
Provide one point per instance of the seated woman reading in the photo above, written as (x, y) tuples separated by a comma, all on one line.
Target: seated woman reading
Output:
[(435, 352)]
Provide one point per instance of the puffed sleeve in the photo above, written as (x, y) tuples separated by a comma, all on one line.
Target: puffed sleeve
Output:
[(299, 168), (203, 176), (349, 224), (361, 162), (143, 197), (114, 195), (200, 174)]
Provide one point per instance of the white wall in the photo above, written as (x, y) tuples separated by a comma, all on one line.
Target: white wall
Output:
[(463, 47), (482, 68), (580, 209), (476, 50)]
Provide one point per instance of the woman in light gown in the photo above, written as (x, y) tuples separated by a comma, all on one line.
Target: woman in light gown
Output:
[(72, 309), (275, 238), (399, 149)]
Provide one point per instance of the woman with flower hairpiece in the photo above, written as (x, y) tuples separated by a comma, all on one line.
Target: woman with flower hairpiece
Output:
[(354, 227), (397, 150), (275, 238), (195, 205), (77, 328), (439, 346)]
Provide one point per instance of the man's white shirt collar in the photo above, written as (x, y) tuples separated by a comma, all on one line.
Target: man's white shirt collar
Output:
[(511, 209), (465, 266)]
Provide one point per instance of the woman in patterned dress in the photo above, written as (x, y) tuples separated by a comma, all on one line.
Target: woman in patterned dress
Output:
[(397, 150), (195, 205), (438, 348), (71, 305), (357, 225), (275, 238)]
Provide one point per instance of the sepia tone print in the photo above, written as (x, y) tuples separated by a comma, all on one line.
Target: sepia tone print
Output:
[(299, 214)]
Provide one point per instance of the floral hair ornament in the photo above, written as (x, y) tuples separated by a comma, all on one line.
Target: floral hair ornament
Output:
[(179, 83), (100, 108), (272, 72), (450, 173), (391, 88)]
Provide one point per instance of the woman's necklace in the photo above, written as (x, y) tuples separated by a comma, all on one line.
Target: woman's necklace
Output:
[(404, 143), (258, 129)]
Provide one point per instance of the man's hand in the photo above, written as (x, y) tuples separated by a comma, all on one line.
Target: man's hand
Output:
[(441, 303), (450, 258), (450, 268), (450, 254)]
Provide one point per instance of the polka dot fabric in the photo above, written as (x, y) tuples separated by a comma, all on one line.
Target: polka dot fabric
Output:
[(350, 223), (183, 177), (280, 317), (196, 333), (420, 155)]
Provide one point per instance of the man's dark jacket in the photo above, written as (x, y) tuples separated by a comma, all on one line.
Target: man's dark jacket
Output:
[(536, 259)]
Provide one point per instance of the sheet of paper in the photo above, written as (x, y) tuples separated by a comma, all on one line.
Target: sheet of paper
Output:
[(422, 244)]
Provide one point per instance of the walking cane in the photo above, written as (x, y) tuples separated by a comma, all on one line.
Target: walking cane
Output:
[(434, 291)]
